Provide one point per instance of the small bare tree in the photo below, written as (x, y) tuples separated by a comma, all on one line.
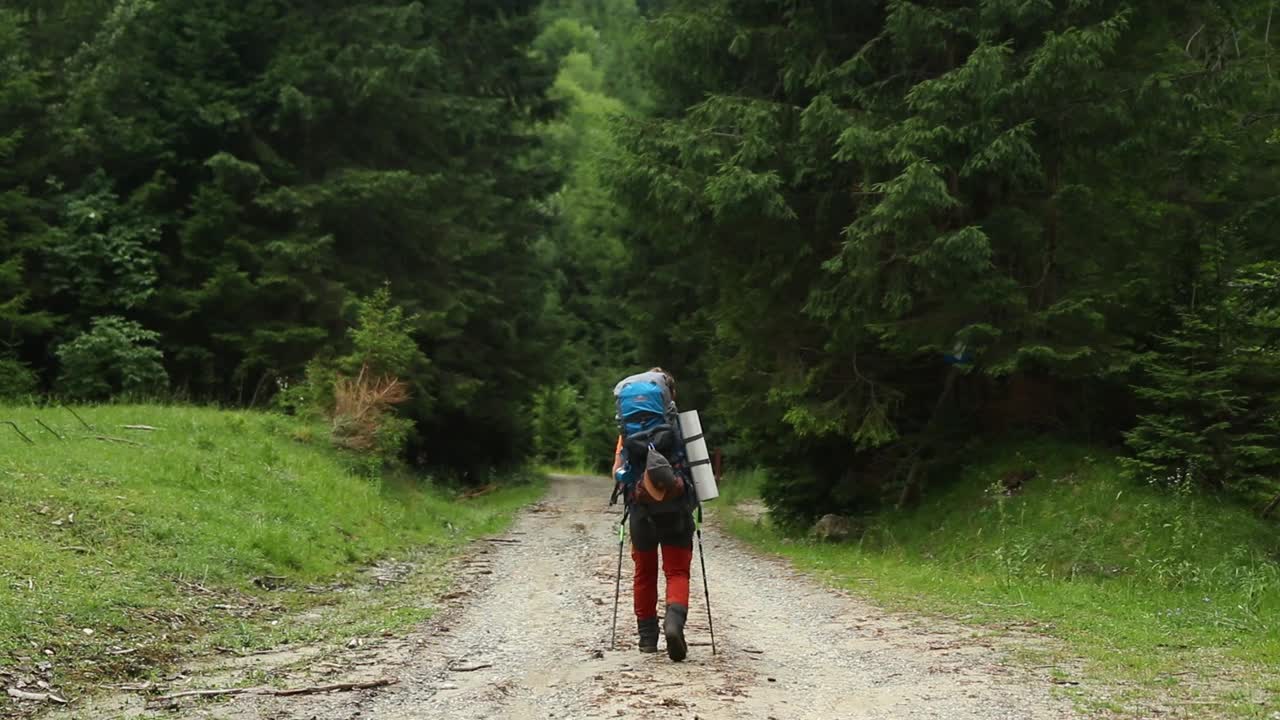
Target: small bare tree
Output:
[(364, 409)]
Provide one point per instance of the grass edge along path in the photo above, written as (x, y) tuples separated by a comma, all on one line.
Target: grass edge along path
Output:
[(123, 549), (1172, 603)]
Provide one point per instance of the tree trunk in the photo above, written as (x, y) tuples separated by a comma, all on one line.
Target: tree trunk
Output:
[(910, 487)]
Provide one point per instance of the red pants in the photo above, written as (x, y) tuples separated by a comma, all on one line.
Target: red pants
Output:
[(673, 537)]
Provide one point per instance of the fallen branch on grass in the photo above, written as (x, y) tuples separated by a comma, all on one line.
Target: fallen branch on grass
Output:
[(366, 685), (18, 430), (122, 441), (86, 425), (55, 433), (17, 694)]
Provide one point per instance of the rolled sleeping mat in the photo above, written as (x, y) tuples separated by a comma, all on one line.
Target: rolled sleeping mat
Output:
[(695, 448)]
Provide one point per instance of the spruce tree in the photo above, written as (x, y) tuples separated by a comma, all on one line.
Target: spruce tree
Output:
[(291, 158), (1212, 392), (22, 138), (839, 197)]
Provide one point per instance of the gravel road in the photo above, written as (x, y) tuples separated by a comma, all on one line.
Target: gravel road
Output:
[(525, 637)]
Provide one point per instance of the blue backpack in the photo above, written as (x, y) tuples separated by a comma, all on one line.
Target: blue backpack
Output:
[(648, 419)]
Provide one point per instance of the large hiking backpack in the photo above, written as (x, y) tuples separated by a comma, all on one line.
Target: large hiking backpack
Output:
[(648, 419)]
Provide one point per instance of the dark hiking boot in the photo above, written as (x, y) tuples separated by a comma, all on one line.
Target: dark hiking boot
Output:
[(673, 628), (648, 634)]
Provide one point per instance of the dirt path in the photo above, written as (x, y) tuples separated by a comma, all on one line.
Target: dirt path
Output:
[(526, 641)]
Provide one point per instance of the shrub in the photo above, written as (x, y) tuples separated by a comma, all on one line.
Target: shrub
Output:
[(359, 393), (115, 357), (363, 408), (17, 381), (363, 417), (1213, 395), (312, 396), (382, 339)]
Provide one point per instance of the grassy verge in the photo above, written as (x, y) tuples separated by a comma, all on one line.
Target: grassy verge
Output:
[(1174, 602), (119, 553)]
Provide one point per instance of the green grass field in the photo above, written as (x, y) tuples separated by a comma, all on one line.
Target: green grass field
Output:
[(123, 546), (1173, 601)]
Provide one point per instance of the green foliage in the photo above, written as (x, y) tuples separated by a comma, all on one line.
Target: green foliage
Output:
[(234, 176), (556, 426), (311, 396), (363, 393), (596, 47), (114, 357), (598, 418), (1214, 393), (1142, 584), (606, 32), (22, 139), (829, 198), (17, 381), (15, 321), (384, 351), (1191, 442), (219, 498), (101, 252), (801, 208), (382, 339)]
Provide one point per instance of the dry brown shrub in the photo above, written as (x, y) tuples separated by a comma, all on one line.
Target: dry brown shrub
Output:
[(362, 405)]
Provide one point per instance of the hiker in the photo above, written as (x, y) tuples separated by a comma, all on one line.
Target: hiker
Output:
[(652, 478)]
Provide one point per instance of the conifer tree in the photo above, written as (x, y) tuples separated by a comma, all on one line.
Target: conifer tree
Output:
[(21, 223), (841, 199)]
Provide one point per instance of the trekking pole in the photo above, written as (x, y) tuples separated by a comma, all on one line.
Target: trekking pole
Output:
[(617, 587), (706, 589)]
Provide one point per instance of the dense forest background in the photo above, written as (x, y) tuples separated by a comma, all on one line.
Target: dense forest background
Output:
[(867, 237)]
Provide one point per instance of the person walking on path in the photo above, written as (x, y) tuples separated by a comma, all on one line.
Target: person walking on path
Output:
[(653, 481)]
